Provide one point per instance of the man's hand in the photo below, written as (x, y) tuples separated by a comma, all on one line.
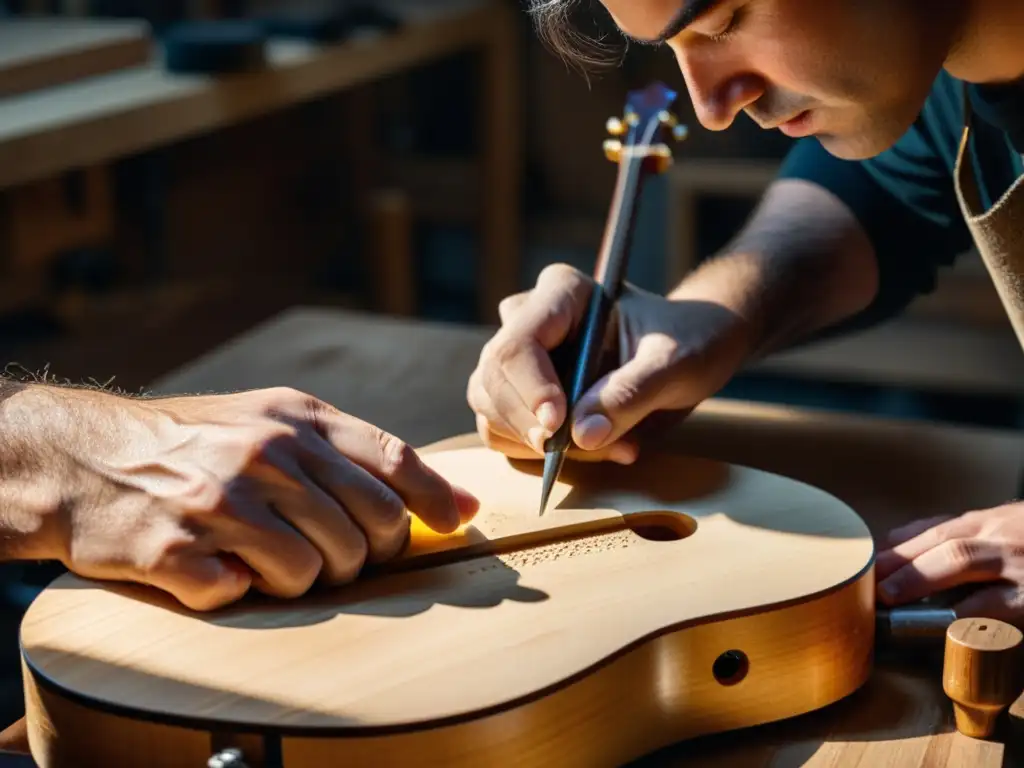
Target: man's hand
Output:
[(984, 548), (205, 497), (664, 356)]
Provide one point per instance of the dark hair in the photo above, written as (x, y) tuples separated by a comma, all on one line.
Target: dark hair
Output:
[(558, 25)]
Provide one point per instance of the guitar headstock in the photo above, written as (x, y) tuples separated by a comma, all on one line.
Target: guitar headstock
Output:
[(642, 129)]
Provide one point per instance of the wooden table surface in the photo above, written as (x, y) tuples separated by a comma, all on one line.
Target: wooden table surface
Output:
[(411, 378)]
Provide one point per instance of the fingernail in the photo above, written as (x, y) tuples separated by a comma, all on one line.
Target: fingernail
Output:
[(592, 431), (537, 436), (466, 503), (548, 416), (889, 590)]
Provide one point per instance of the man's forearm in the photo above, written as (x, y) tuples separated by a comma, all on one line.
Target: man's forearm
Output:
[(34, 491), (800, 265)]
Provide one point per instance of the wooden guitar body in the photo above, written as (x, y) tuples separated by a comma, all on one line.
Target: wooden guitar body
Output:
[(650, 604)]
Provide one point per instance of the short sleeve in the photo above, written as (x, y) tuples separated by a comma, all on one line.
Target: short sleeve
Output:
[(904, 198)]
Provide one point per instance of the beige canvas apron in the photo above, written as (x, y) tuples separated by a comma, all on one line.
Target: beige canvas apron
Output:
[(998, 232)]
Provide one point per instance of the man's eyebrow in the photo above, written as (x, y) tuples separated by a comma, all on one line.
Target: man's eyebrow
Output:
[(690, 11)]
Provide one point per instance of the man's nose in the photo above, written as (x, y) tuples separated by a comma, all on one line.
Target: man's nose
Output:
[(719, 89)]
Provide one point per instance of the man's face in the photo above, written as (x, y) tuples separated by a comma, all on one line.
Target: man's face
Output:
[(853, 73)]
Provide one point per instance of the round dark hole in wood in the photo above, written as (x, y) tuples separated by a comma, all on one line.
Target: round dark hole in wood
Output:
[(983, 627), (661, 525), (730, 667)]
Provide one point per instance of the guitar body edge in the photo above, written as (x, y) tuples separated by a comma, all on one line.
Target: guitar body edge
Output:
[(772, 665)]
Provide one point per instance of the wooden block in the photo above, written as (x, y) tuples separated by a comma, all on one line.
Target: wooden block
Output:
[(982, 672)]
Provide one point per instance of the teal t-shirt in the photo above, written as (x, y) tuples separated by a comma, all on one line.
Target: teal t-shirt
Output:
[(905, 197)]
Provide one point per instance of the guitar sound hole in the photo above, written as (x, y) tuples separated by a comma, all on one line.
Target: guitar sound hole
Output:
[(661, 526), (730, 667)]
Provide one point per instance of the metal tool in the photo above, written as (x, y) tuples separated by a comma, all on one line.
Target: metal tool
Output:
[(913, 625), (638, 153)]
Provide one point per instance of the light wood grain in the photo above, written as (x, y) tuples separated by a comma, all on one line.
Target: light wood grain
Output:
[(982, 672), (493, 631)]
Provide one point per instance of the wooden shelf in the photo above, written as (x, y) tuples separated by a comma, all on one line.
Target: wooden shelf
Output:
[(123, 113), (45, 52)]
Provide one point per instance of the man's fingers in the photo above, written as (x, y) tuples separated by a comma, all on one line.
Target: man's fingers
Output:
[(889, 561), (530, 372), (201, 582), (955, 562), (341, 544), (490, 422), (516, 382), (519, 407), (932, 536), (510, 305), (440, 505), (377, 509), (906, 532), (499, 437), (513, 449), (500, 400), (285, 563), (1002, 602), (553, 308), (622, 452)]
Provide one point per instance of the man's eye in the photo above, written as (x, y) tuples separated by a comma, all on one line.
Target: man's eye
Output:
[(730, 27)]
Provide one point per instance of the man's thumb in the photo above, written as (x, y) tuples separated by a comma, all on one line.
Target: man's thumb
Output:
[(618, 402)]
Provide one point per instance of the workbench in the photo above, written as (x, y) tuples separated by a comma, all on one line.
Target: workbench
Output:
[(410, 378), (97, 120)]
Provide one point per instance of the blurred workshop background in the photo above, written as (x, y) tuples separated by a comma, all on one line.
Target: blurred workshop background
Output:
[(173, 173)]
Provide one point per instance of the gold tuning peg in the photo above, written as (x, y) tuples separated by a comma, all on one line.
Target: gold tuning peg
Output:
[(615, 126), (679, 131), (662, 158), (632, 118), (613, 150)]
